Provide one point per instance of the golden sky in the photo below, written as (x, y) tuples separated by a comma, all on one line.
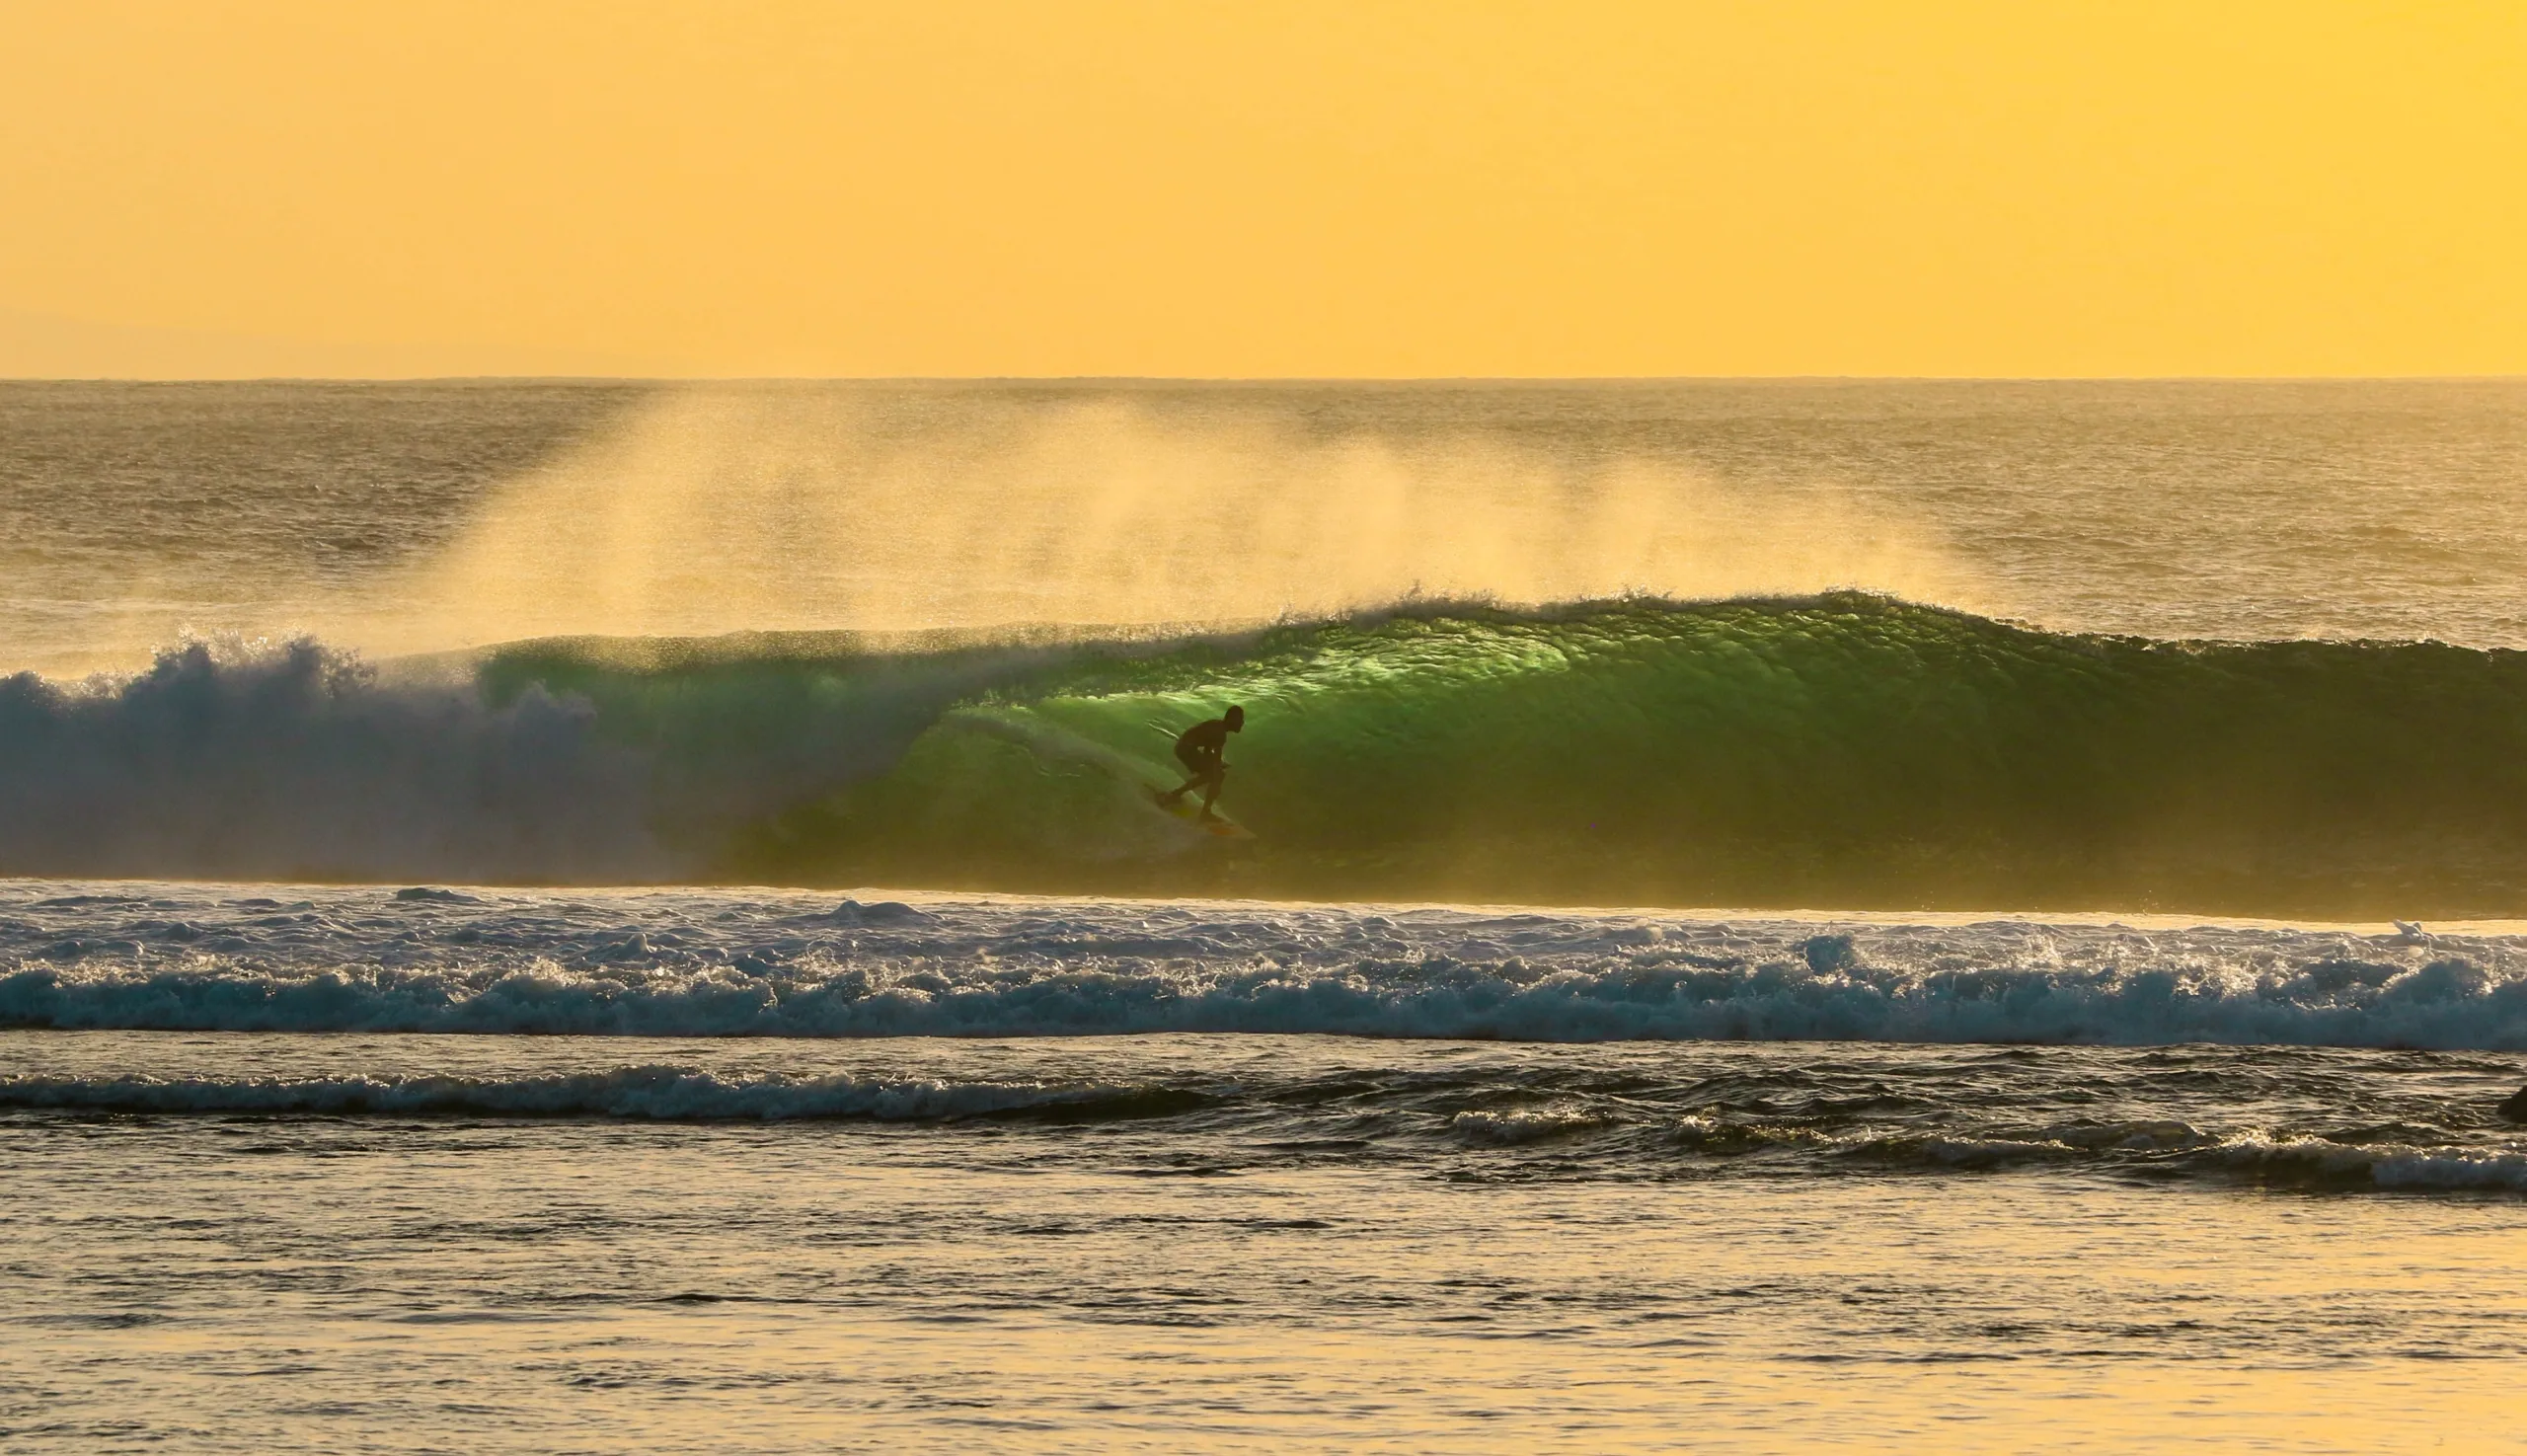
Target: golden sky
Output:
[(1290, 188)]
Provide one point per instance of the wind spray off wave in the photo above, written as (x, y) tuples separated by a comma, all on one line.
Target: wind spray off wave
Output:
[(782, 508)]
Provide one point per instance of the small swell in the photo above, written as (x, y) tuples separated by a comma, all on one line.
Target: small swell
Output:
[(1575, 1138), (641, 1093), (2317, 1163)]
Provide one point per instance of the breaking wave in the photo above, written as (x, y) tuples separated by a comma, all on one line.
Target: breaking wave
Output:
[(1843, 749), (438, 961), (2447, 1006)]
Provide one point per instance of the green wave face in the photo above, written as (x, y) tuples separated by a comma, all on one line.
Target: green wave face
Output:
[(1840, 751)]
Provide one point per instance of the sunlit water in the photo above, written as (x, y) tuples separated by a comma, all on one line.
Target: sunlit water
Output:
[(811, 1235), (1340, 1262), (431, 516), (302, 1167)]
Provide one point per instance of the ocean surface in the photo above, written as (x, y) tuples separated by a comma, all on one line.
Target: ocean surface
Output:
[(591, 916)]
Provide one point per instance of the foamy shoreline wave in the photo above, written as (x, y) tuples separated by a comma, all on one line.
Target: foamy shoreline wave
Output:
[(733, 964)]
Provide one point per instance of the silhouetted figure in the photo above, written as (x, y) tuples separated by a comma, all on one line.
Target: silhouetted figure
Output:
[(1199, 746)]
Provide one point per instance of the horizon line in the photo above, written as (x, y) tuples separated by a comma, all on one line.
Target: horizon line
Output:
[(1263, 379)]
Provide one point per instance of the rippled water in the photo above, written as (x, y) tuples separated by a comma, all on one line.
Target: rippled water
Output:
[(1297, 1243), (799, 1230)]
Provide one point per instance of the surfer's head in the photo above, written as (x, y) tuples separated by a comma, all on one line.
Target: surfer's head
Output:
[(1235, 717)]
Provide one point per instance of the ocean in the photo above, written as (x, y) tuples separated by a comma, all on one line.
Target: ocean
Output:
[(602, 916)]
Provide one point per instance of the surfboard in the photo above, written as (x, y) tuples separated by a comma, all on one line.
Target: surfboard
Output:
[(1190, 812)]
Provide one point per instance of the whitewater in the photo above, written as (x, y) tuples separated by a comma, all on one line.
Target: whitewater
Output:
[(628, 917), (626, 963)]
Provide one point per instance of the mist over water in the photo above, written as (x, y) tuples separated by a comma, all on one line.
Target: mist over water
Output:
[(133, 514), (423, 516), (762, 507)]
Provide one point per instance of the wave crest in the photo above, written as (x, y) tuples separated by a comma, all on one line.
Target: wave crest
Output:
[(2446, 1004), (1843, 749)]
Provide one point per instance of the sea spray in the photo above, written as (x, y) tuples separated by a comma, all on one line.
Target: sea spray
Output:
[(716, 508), (289, 759)]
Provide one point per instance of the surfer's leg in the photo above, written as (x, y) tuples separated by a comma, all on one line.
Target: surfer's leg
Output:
[(1199, 774), (1211, 795), (1196, 772)]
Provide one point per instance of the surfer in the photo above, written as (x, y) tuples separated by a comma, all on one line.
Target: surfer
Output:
[(1200, 749)]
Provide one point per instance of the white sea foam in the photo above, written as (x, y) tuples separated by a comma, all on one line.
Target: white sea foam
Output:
[(751, 964), (1525, 1125), (278, 758)]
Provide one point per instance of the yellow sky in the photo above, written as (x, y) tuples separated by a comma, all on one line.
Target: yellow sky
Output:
[(1190, 188)]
